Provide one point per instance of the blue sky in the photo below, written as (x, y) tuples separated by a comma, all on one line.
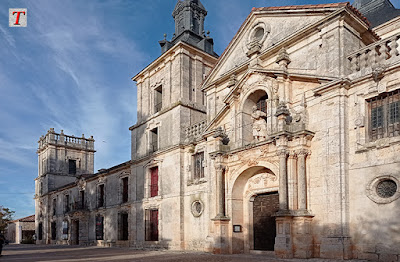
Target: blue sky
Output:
[(71, 69)]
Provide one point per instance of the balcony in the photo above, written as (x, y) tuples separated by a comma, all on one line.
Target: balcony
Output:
[(195, 131), (375, 57), (77, 206)]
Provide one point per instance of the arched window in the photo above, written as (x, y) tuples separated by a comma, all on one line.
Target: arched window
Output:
[(262, 104)]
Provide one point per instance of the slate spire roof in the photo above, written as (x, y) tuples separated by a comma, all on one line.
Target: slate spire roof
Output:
[(189, 16), (377, 11)]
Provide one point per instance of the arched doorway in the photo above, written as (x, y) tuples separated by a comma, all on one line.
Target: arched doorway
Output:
[(264, 226), (253, 190)]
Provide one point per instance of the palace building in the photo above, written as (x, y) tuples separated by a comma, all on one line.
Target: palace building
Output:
[(288, 142)]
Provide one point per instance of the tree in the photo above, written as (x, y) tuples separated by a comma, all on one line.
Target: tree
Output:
[(6, 215)]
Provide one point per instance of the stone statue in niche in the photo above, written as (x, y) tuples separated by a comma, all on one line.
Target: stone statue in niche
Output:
[(259, 125)]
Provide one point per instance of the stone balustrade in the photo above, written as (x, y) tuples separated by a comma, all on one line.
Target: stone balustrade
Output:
[(61, 139), (195, 131), (377, 55)]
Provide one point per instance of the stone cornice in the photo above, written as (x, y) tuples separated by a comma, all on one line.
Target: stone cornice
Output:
[(166, 110), (286, 42), (171, 52)]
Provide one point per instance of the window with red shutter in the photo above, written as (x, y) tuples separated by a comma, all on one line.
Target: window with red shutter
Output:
[(154, 182)]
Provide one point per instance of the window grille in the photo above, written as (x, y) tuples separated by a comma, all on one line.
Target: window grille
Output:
[(384, 115), (262, 104), (198, 166)]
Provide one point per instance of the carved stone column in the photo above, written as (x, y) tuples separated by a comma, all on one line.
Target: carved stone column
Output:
[(302, 179), (292, 181), (219, 172), (283, 188), (221, 222)]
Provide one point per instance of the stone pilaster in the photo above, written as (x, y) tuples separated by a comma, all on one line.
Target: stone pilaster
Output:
[(302, 179), (219, 172), (283, 181)]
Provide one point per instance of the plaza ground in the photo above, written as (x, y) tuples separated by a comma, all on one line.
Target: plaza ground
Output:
[(77, 253)]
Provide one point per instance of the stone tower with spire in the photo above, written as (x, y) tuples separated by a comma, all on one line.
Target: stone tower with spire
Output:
[(171, 112), (189, 16)]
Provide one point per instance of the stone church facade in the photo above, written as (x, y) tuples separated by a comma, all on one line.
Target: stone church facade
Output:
[(287, 142)]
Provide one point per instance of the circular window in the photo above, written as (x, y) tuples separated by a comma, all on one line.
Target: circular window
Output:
[(386, 188), (259, 34), (197, 208), (383, 189)]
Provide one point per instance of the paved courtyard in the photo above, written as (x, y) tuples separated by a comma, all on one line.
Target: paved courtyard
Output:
[(77, 253)]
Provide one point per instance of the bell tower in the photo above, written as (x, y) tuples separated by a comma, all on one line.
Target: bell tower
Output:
[(189, 16)]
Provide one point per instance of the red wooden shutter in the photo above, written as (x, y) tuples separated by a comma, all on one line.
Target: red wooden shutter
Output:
[(154, 224), (154, 182)]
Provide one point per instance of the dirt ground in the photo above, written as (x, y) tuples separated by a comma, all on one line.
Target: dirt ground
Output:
[(78, 253)]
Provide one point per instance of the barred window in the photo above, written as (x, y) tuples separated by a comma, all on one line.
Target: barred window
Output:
[(384, 116), (262, 104), (198, 166)]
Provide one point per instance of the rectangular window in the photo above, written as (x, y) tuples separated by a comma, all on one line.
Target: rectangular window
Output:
[(384, 116), (198, 166), (99, 228), (125, 189), (154, 181), (123, 226), (71, 167), (40, 231), (101, 196), (65, 230), (153, 140), (53, 230), (67, 204), (158, 99), (54, 206), (151, 224), (394, 114), (82, 202)]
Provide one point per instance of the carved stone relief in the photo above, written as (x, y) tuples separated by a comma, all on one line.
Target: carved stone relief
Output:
[(261, 181)]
